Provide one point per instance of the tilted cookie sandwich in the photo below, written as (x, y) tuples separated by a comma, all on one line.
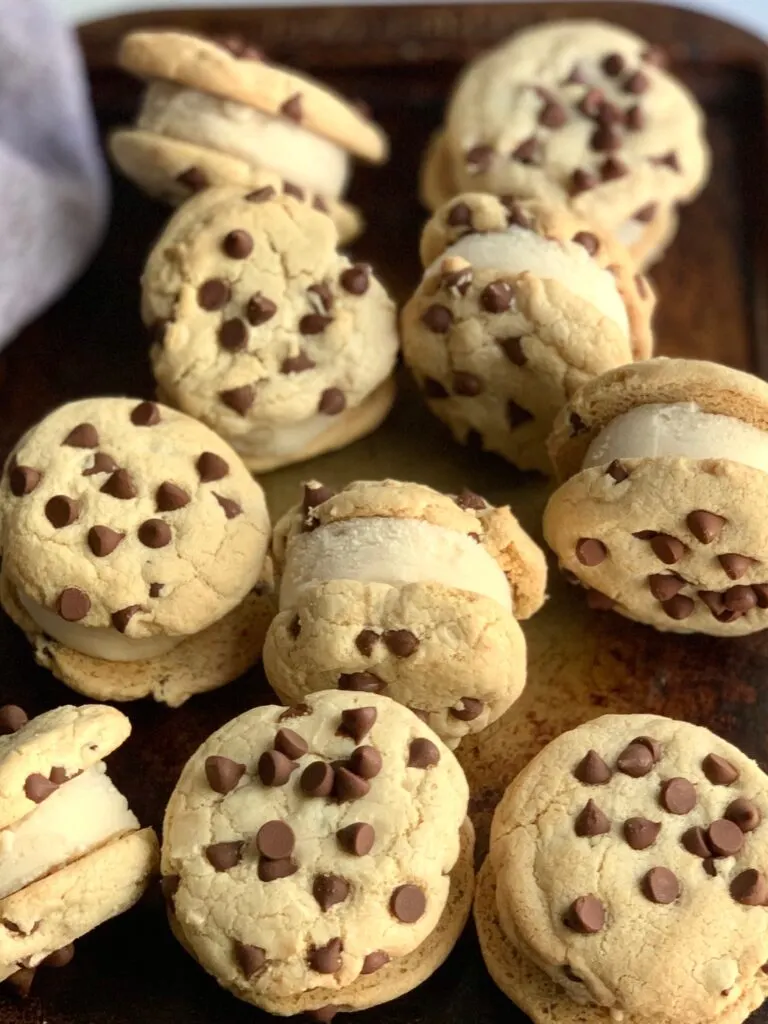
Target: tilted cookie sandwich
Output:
[(217, 113), (627, 878), (665, 465), (521, 304), (390, 587), (132, 539), (578, 112), (72, 854), (318, 858), (264, 330)]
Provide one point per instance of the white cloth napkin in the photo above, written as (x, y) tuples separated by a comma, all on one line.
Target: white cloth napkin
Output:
[(53, 191)]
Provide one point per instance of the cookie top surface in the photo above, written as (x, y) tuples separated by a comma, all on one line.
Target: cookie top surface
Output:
[(130, 515), (631, 860), (66, 738), (578, 111), (467, 513), (713, 388), (292, 869), (265, 323), (233, 70)]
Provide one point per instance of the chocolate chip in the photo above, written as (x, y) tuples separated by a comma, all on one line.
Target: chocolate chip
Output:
[(23, 480), (145, 414), (356, 279), (374, 962), (408, 903), (317, 779), (581, 181), (725, 838), (12, 718), (667, 160), (610, 114), (750, 888), (400, 642), (365, 641), (467, 384), (275, 768), (261, 195), (605, 138), (58, 775), (213, 294), (678, 796), (695, 841), (290, 744), (102, 540), (233, 335), (193, 179), (294, 190), (314, 323), (323, 1014), (589, 241), (611, 169), (259, 309), (735, 565), (634, 119), (347, 785), (275, 840), (613, 64), (38, 788), (326, 959), (102, 463), (585, 915), (668, 549), (230, 508), (357, 722), (61, 511), (297, 711), (517, 415), (591, 102), (272, 870), (154, 533), (434, 389), (467, 499), (21, 981), (250, 959), (740, 599), (552, 115), (636, 760), (72, 604), (653, 745), (297, 364), (84, 435), (637, 83), (329, 890), (528, 152), (422, 753), (713, 601), (591, 552), (709, 866), (357, 838), (169, 497), (467, 709), (61, 957), (665, 586), (644, 216), (591, 821), (361, 682), (223, 773), (592, 770), (459, 216), (479, 158), (438, 319), (224, 856), (120, 485), (292, 108), (617, 471), (366, 762), (599, 602), (660, 885), (640, 833), (238, 244), (705, 526), (332, 402), (744, 813), (497, 297), (294, 627), (121, 618), (314, 496), (678, 607), (719, 771), (211, 467)]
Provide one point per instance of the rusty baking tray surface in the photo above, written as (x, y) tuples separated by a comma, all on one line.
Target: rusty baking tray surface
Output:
[(712, 288)]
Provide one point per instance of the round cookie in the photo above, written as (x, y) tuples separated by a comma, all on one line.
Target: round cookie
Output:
[(286, 816), (520, 305), (394, 588), (133, 543), (173, 170), (72, 855), (628, 875), (664, 465), (580, 112), (265, 331)]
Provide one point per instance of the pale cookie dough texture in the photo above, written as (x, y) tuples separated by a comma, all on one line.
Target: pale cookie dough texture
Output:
[(627, 878), (132, 539), (72, 854), (318, 858), (264, 331), (665, 472), (521, 304), (216, 112), (577, 112), (394, 588)]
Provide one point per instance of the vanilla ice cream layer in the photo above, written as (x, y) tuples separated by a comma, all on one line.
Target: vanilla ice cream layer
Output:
[(630, 232), (682, 430), (79, 816), (285, 439), (235, 128), (97, 641), (517, 250), (393, 551)]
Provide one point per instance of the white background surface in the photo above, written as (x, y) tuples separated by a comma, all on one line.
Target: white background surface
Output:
[(752, 14)]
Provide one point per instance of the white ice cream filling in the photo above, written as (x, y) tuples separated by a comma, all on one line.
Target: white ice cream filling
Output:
[(393, 551), (79, 816), (679, 429), (276, 143), (283, 439), (97, 641), (517, 250)]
